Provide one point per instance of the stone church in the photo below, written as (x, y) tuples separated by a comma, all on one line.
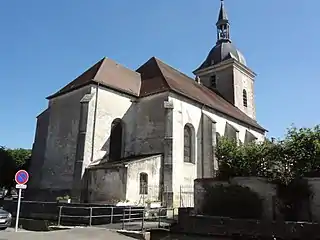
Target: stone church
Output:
[(117, 134)]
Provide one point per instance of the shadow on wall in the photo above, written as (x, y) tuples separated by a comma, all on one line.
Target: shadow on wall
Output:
[(139, 132)]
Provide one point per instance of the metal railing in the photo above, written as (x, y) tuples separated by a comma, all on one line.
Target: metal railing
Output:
[(126, 215), (90, 215)]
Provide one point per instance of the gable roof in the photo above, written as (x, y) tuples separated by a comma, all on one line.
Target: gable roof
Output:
[(108, 73), (158, 76), (153, 77)]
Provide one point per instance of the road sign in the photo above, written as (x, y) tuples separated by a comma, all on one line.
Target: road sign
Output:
[(22, 177), (21, 186)]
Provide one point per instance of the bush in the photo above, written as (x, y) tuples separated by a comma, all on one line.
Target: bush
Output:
[(232, 201)]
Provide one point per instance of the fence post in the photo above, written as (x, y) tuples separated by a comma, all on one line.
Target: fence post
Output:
[(123, 218), (167, 196), (159, 218), (142, 223), (130, 213), (90, 218), (111, 219), (59, 216)]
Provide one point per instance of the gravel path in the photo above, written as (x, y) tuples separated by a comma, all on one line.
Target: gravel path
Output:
[(76, 233)]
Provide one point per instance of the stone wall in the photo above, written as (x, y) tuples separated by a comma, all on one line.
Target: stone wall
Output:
[(314, 184), (191, 223), (266, 191), (61, 142)]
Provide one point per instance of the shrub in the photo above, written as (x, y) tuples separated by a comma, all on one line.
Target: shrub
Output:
[(232, 201)]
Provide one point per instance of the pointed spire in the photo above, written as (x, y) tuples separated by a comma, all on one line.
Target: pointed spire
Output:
[(223, 18), (223, 26)]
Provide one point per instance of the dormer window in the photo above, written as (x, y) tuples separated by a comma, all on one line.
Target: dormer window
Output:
[(213, 81)]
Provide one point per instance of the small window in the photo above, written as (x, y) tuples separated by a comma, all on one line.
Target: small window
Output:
[(213, 80), (245, 98), (143, 183)]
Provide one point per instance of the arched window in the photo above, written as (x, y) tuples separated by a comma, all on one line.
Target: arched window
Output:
[(143, 183), (213, 81), (245, 98), (116, 140), (188, 144)]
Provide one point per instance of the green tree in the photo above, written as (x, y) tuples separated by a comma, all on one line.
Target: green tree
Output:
[(296, 156), (11, 160)]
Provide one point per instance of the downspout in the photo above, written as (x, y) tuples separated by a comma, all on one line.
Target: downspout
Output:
[(202, 142), (94, 122)]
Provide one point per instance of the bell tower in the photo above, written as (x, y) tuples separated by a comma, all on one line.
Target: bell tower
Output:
[(225, 69)]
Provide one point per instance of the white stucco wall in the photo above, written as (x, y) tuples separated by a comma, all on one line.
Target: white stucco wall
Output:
[(185, 112), (110, 106), (152, 167)]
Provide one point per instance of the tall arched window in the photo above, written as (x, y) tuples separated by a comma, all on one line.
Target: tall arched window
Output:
[(245, 98), (116, 140), (188, 144), (143, 183)]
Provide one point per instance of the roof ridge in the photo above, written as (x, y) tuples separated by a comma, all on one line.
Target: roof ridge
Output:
[(102, 60), (174, 69), (158, 63)]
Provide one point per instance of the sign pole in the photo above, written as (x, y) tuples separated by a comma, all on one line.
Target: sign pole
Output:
[(21, 177), (18, 210)]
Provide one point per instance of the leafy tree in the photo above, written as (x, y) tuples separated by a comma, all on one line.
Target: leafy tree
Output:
[(296, 156), (12, 160)]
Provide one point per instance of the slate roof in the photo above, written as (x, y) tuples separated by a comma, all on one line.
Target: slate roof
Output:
[(153, 77)]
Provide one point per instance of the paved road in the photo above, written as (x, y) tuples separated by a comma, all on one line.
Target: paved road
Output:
[(76, 233)]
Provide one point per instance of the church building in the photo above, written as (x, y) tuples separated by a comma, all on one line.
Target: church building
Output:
[(116, 134)]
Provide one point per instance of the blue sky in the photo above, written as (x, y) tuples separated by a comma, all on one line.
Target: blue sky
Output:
[(46, 44)]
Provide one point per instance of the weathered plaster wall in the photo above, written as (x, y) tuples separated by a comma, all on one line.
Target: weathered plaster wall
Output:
[(152, 167), (143, 123), (107, 185), (259, 185), (243, 81), (62, 140), (314, 184), (184, 112), (150, 124), (267, 191), (38, 149), (122, 181)]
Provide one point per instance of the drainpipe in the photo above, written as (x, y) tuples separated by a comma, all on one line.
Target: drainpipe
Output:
[(202, 142), (94, 121)]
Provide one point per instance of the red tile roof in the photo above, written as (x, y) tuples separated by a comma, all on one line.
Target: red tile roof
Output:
[(153, 77)]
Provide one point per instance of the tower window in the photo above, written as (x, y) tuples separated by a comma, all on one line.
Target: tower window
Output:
[(213, 80), (245, 98)]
